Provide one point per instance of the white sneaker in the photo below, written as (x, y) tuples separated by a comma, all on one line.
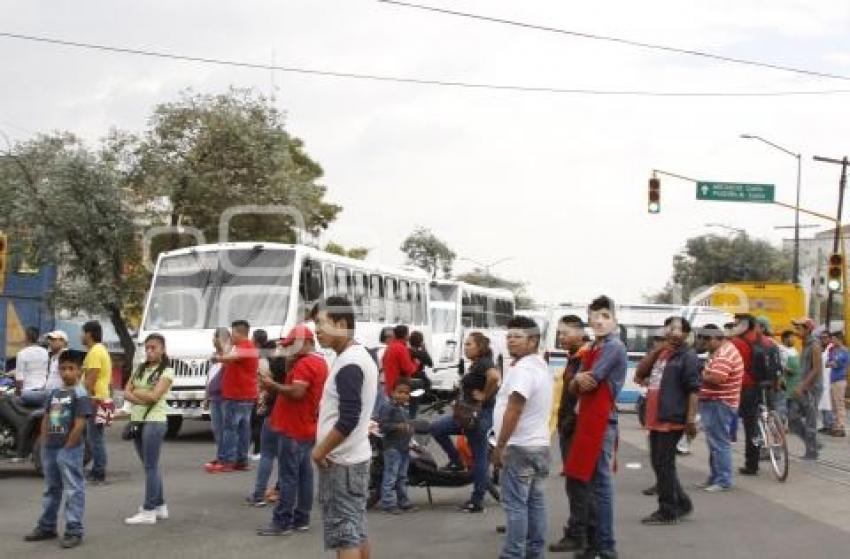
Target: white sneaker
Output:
[(161, 512), (715, 489), (143, 517), (255, 457)]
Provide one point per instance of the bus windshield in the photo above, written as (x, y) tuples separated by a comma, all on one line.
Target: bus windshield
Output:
[(203, 290)]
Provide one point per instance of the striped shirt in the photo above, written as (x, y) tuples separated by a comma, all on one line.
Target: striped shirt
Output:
[(727, 365)]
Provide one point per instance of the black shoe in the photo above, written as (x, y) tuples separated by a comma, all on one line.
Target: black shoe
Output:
[(658, 519), (274, 531), (651, 491), (568, 543), (501, 529), (95, 480), (469, 506), (453, 468), (70, 541), (38, 535), (824, 430), (748, 471)]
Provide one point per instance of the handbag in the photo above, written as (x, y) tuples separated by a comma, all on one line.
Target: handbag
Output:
[(466, 414), (133, 429)]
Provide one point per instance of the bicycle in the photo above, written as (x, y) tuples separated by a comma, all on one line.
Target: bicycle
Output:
[(772, 437)]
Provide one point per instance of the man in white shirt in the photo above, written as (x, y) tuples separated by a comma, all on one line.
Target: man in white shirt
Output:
[(521, 422), (57, 342), (31, 370)]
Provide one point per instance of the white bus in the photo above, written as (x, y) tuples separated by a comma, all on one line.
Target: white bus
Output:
[(638, 323), (272, 286), (456, 309)]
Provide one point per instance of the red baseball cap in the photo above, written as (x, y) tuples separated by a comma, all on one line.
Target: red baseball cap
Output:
[(805, 321), (301, 332)]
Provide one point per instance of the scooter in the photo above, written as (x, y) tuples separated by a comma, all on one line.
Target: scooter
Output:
[(423, 470), (20, 430)]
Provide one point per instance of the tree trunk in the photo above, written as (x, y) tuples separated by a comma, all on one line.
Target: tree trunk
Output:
[(126, 340)]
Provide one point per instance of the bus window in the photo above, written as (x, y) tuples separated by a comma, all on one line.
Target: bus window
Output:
[(376, 299), (467, 312), (330, 281), (404, 311), (343, 279), (423, 302), (416, 303), (359, 298), (479, 314), (390, 298)]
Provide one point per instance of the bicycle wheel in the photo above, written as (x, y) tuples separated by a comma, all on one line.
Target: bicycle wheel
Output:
[(777, 446)]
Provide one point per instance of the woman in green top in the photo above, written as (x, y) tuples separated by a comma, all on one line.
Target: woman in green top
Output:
[(146, 390)]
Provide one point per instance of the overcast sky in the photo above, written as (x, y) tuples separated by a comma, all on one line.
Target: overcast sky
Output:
[(557, 182)]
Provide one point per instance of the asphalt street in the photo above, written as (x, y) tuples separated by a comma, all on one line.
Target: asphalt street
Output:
[(806, 517)]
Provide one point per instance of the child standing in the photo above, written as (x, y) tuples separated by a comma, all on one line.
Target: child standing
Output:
[(66, 414), (395, 425)]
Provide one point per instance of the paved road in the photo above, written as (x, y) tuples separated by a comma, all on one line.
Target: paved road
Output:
[(808, 517)]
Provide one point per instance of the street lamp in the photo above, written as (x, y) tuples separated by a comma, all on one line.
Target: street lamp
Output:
[(737, 230), (486, 267), (795, 273)]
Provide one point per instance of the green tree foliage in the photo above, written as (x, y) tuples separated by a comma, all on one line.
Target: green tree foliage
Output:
[(357, 253), (480, 277), (65, 204), (426, 251), (208, 153), (710, 259)]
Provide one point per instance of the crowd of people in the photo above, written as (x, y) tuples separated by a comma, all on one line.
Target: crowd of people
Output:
[(309, 416)]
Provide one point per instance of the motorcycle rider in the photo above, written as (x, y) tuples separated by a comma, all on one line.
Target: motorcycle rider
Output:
[(31, 370)]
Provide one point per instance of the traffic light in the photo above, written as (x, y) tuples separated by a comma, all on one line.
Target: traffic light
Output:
[(4, 249), (834, 274), (654, 205)]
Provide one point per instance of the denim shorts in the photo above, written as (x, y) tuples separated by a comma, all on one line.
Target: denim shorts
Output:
[(342, 494)]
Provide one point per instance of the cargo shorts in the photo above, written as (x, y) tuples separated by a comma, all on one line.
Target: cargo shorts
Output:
[(343, 490)]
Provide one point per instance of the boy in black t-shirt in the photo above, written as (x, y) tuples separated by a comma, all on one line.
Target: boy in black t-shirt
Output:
[(65, 416)]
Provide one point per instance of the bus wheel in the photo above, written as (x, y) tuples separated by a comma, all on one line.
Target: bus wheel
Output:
[(175, 422)]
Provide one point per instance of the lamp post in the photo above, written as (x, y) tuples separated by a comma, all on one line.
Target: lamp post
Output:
[(795, 272), (486, 267)]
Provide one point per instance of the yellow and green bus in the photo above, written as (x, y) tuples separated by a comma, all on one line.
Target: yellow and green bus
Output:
[(778, 302)]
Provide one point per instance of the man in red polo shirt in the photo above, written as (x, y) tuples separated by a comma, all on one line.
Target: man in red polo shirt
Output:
[(294, 418), (239, 391), (397, 360)]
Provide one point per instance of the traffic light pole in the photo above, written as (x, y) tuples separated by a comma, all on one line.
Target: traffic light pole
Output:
[(837, 243)]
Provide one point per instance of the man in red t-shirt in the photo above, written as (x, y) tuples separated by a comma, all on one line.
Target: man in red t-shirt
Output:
[(294, 418), (397, 360), (239, 394), (747, 335)]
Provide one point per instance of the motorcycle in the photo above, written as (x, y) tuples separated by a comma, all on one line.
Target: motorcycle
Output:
[(20, 430), (423, 470)]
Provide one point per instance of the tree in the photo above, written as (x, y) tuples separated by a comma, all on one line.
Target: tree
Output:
[(426, 251), (208, 153), (66, 205), (710, 259), (357, 253), (480, 277)]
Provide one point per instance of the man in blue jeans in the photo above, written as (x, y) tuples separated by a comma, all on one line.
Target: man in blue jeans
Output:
[(239, 390), (521, 421), (294, 420), (719, 398), (62, 429)]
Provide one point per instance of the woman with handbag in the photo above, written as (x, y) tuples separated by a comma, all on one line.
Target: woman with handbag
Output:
[(472, 416), (146, 390)]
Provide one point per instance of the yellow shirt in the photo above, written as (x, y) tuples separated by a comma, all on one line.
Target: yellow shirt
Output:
[(98, 358)]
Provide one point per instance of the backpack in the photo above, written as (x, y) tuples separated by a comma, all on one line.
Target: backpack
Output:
[(766, 361)]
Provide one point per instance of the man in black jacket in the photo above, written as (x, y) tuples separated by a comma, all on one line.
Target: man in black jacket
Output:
[(673, 370)]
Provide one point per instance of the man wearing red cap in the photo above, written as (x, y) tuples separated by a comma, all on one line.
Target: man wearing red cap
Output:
[(294, 417)]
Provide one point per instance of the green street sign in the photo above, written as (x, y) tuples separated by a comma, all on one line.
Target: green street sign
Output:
[(735, 192)]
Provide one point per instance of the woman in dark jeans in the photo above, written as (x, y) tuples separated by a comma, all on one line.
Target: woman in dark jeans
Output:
[(478, 385), (146, 390)]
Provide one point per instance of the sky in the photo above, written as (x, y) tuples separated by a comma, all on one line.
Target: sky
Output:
[(556, 183)]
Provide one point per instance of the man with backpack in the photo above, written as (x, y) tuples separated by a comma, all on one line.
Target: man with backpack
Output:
[(762, 366)]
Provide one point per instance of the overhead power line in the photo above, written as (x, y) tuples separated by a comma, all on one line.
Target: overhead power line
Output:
[(621, 41), (412, 80)]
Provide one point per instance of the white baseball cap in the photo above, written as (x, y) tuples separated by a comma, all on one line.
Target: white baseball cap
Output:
[(57, 335)]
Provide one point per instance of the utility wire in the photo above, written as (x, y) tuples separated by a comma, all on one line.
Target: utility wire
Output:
[(619, 40), (415, 81)]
